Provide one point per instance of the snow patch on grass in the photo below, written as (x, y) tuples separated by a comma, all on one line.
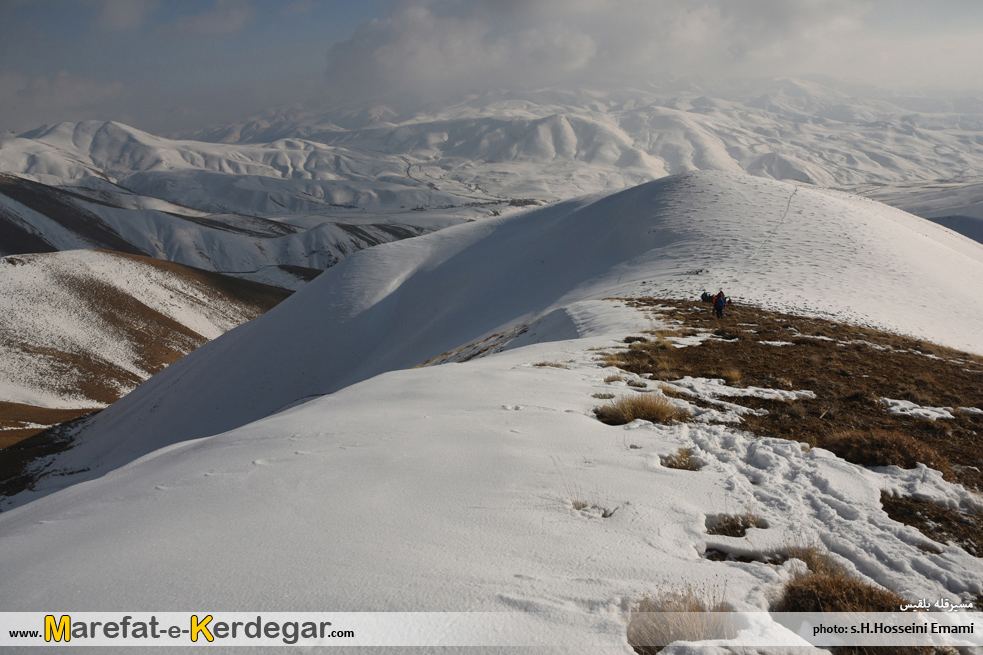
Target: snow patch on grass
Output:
[(908, 408)]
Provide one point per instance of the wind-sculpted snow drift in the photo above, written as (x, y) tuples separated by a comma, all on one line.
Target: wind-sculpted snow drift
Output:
[(397, 305)]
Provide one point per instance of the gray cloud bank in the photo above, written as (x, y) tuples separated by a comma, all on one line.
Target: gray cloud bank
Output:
[(438, 47), (425, 50)]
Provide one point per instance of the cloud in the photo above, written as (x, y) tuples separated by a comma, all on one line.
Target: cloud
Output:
[(123, 15), (297, 7), (26, 103), (226, 17), (425, 47)]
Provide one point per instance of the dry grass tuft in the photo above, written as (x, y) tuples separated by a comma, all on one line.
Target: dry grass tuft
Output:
[(731, 375), (640, 358), (683, 459), (638, 384), (687, 614), (864, 398), (607, 359), (613, 378), (578, 498), (552, 364), (778, 382), (886, 448), (836, 593), (603, 396), (816, 558), (661, 342), (827, 587), (670, 391), (660, 337), (734, 525), (648, 407)]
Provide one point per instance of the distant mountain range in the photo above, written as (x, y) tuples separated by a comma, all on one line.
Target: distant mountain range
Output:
[(306, 186)]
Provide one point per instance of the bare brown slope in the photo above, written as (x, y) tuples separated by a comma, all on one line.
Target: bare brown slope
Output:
[(849, 368), (156, 340)]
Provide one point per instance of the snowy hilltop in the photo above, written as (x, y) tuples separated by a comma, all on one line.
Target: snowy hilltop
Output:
[(415, 429)]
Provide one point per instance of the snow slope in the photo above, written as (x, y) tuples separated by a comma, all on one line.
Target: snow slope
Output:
[(286, 277), (79, 329), (449, 488), (395, 306), (36, 217)]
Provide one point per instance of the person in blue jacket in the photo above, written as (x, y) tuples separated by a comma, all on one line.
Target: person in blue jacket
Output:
[(719, 303)]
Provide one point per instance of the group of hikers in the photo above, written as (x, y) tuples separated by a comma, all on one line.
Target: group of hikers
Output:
[(718, 302)]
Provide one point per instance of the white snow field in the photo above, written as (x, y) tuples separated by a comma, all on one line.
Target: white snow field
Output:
[(80, 328), (299, 463)]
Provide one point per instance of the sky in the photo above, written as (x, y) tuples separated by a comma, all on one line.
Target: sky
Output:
[(172, 66)]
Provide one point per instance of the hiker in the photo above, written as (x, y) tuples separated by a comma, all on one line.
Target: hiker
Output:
[(705, 297), (718, 304)]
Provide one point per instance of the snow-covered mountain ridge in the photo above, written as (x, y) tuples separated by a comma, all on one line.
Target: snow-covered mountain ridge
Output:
[(398, 305), (957, 206)]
